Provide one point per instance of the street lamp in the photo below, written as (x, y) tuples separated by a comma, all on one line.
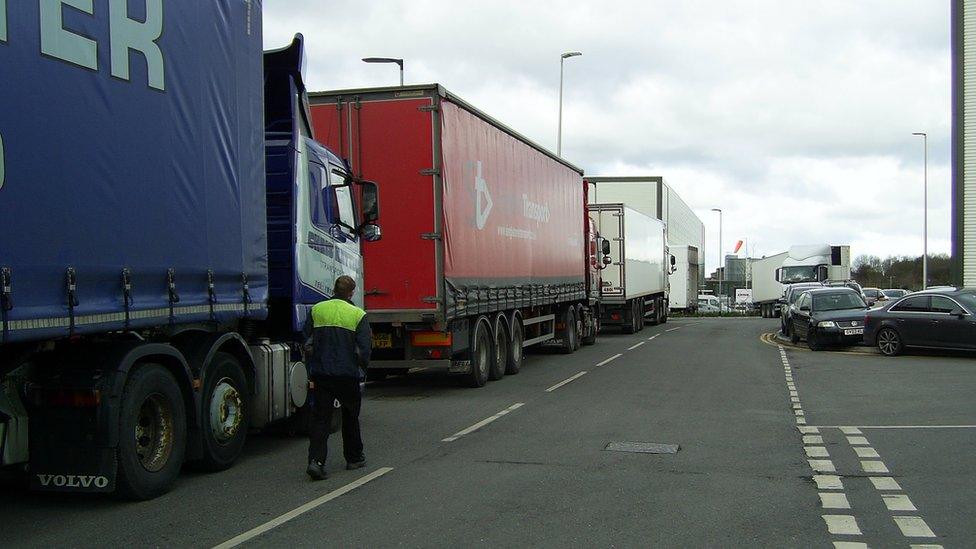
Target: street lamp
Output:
[(559, 134), (721, 262), (387, 60), (925, 210)]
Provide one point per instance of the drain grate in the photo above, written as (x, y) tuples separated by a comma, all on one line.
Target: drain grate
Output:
[(643, 447)]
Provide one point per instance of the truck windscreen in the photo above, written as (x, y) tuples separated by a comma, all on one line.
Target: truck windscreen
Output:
[(802, 273)]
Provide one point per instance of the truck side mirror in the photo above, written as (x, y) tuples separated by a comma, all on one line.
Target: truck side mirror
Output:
[(779, 275), (605, 246), (673, 261), (370, 201), (371, 232)]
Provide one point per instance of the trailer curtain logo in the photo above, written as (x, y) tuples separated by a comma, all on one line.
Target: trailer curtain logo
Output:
[(483, 201)]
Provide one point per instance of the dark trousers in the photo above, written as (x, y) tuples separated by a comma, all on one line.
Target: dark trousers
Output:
[(326, 391)]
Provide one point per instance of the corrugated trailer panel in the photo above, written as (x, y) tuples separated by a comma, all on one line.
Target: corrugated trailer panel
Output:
[(390, 140), (149, 161), (512, 216)]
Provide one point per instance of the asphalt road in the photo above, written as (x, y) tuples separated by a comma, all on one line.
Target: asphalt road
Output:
[(538, 472)]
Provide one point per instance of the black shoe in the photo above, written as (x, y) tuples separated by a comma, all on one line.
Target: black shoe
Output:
[(355, 465), (316, 470)]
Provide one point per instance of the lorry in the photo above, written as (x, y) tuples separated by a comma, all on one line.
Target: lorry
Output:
[(683, 294), (653, 196), (489, 250), (635, 282), (801, 263), (166, 231)]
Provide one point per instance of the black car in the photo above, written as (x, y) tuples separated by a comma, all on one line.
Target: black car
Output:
[(829, 316), (790, 295), (934, 319)]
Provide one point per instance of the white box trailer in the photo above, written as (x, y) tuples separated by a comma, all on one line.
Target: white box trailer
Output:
[(805, 263), (683, 293), (635, 282)]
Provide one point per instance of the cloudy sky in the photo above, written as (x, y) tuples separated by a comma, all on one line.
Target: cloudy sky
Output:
[(794, 117)]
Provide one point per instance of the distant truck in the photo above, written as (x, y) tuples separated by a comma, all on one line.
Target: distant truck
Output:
[(635, 282), (160, 258), (489, 250), (807, 263), (653, 196), (683, 293)]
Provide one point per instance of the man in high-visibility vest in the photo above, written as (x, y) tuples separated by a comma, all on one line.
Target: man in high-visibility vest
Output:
[(341, 344)]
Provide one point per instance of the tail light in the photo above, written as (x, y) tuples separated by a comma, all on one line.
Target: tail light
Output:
[(615, 316), (64, 397), (431, 339)]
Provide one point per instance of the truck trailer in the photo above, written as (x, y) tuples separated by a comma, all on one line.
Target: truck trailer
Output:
[(635, 282), (653, 196), (166, 232), (489, 248), (801, 263)]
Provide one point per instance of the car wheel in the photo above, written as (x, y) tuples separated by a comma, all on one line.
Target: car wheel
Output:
[(889, 342), (812, 341), (794, 337)]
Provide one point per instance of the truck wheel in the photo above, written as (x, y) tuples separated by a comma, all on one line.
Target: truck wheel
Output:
[(579, 327), (224, 413), (569, 331), (630, 319), (482, 351), (152, 433), (515, 355), (502, 348)]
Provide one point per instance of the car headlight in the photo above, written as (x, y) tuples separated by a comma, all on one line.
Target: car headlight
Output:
[(826, 324)]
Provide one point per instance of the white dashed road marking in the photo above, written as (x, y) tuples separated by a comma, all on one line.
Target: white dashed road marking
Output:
[(842, 524), (812, 439), (898, 502), (914, 527), (850, 430), (872, 466), (850, 545), (632, 347), (609, 360), (822, 465), (565, 381), (482, 423), (672, 329), (866, 452), (274, 523), (828, 482), (653, 336), (832, 500), (817, 452), (854, 441), (885, 483)]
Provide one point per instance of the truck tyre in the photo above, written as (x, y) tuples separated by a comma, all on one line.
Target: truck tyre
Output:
[(629, 325), (665, 309), (641, 311), (152, 433), (568, 336), (579, 327), (224, 413), (482, 353), (515, 353), (502, 348)]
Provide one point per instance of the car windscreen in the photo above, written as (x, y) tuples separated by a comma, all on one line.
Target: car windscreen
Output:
[(894, 293), (837, 302), (871, 293)]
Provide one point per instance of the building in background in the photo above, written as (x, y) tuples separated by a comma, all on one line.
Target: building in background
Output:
[(963, 29)]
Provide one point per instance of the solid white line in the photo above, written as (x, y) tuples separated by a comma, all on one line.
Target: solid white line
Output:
[(816, 451), (274, 523), (636, 345), (565, 381), (885, 483), (866, 452), (898, 502), (653, 336), (925, 546), (842, 524), (914, 527), (856, 431), (874, 467), (830, 500), (611, 359), (812, 439), (853, 441), (673, 329), (482, 423), (822, 465), (828, 482)]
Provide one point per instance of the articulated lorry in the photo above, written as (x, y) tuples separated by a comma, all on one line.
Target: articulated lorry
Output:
[(635, 281), (653, 196), (166, 231), (806, 263), (489, 248)]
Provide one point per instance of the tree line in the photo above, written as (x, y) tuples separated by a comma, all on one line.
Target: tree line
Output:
[(899, 271)]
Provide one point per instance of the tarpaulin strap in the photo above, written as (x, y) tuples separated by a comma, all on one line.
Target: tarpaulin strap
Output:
[(72, 285), (211, 294), (127, 294), (174, 297), (6, 300), (246, 291)]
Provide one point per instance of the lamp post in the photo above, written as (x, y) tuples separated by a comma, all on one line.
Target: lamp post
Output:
[(559, 133), (395, 60), (721, 260), (925, 209)]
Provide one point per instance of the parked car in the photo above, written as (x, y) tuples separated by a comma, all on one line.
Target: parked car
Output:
[(846, 284), (933, 319), (826, 316), (894, 293), (790, 295), (874, 296), (708, 304)]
